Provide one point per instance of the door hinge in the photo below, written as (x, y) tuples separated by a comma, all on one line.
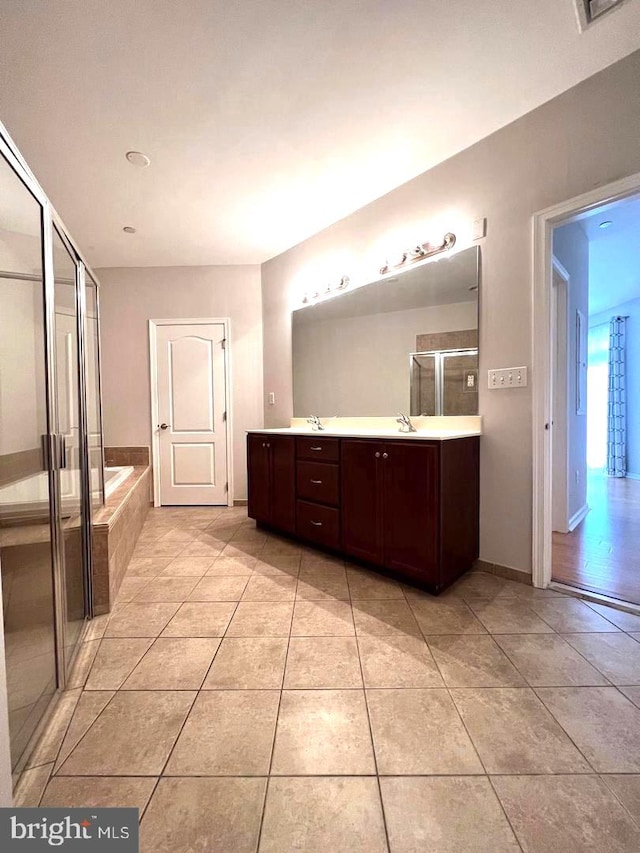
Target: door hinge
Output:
[(224, 416), (224, 343), (226, 487)]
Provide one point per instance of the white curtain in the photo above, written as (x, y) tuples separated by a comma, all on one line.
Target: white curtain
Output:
[(617, 409)]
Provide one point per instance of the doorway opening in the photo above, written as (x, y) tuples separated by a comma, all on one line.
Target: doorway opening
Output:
[(587, 473)]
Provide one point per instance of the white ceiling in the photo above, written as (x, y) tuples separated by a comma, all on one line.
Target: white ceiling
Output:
[(267, 120), (614, 254)]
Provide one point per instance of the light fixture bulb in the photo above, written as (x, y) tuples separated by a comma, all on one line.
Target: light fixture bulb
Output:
[(137, 158)]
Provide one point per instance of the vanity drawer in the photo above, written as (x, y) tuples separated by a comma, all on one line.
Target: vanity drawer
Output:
[(318, 449), (318, 523), (317, 481)]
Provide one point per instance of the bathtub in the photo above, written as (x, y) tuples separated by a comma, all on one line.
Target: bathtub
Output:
[(30, 497)]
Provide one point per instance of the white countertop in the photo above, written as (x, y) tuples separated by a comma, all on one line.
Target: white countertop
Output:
[(424, 435)]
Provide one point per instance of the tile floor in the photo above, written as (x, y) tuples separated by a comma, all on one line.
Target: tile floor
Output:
[(250, 694)]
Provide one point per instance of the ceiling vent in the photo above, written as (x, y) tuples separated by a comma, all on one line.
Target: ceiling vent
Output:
[(590, 11)]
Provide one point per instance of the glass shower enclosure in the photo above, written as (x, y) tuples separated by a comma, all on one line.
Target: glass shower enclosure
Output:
[(50, 446)]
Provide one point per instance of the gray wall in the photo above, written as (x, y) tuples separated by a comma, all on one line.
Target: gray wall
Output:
[(584, 138), (130, 297), (571, 248)]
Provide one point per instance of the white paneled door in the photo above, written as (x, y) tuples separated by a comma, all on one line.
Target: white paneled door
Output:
[(191, 409)]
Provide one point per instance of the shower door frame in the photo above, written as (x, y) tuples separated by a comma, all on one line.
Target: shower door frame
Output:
[(49, 220)]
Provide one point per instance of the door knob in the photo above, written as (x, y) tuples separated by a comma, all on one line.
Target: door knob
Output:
[(164, 426)]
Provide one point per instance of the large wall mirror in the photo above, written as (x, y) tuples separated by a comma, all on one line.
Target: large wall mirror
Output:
[(408, 342)]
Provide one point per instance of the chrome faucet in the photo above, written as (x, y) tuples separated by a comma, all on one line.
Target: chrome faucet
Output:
[(405, 423), (314, 420)]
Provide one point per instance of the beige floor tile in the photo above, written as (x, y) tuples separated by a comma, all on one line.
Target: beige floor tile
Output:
[(204, 546), (181, 535), (277, 564), (602, 723), (140, 620), (320, 581), (96, 627), (546, 660), (187, 567), (322, 662), (132, 737), (477, 585), (167, 589), (526, 592), (419, 732), (201, 619), (323, 732), (467, 660), (241, 551), (99, 792), (219, 589), (627, 790), (570, 616), (509, 616), (320, 560), (270, 588), (204, 815), (232, 567), (147, 566), (174, 663), (323, 814), (398, 661), (615, 655), (624, 620), (261, 619), (158, 549), (322, 619), (82, 664), (130, 587), (274, 546), (574, 814), (514, 733), (459, 814), (48, 745), (384, 618), (89, 707), (227, 733), (248, 663), (116, 658), (436, 616), (365, 583), (31, 786), (632, 693)]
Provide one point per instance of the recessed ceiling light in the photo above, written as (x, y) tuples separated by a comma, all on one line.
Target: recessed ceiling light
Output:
[(129, 229), (606, 223), (137, 158)]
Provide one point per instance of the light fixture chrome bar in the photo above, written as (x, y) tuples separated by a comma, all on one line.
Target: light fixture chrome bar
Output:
[(420, 253)]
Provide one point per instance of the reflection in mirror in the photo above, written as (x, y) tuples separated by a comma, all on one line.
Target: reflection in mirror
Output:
[(351, 353)]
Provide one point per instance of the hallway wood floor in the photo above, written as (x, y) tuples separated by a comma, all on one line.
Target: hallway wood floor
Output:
[(603, 553)]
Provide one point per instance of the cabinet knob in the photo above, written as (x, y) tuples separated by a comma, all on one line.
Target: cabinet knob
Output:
[(385, 455), (268, 444), (377, 454)]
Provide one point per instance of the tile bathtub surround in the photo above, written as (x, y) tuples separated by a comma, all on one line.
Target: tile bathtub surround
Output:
[(121, 456), (265, 697)]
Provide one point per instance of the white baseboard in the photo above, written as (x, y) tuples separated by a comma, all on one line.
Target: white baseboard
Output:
[(633, 476), (577, 517)]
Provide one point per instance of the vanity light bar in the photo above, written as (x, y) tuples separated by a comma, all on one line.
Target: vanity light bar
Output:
[(420, 252), (342, 285)]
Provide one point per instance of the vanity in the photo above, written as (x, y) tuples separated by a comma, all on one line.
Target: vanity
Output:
[(407, 504), (356, 483)]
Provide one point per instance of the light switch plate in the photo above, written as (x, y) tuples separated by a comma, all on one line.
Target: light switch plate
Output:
[(479, 229), (272, 398), (508, 377)]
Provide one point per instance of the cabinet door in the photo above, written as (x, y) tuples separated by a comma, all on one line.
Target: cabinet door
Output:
[(283, 482), (361, 499), (259, 475), (410, 508)]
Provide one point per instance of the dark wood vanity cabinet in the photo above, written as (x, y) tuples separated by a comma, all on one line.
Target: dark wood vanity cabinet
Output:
[(272, 480), (409, 506)]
